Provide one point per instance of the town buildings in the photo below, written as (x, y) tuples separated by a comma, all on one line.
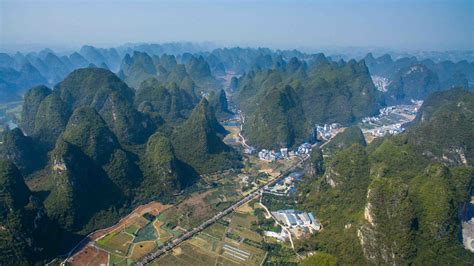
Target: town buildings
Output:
[(295, 219)]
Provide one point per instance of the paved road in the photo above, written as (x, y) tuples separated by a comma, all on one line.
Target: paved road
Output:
[(170, 245)]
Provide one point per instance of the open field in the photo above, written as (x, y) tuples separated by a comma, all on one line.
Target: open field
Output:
[(207, 247), (201, 206), (115, 241), (117, 260), (188, 255), (118, 243), (216, 230), (140, 249), (212, 247), (90, 256), (131, 229), (100, 259), (244, 208), (242, 253), (163, 235)]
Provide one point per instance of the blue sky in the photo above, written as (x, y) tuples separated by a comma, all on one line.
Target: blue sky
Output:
[(401, 25)]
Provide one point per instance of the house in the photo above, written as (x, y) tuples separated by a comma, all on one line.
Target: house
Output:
[(249, 150), (267, 155), (282, 236)]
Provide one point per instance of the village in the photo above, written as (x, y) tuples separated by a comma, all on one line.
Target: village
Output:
[(322, 133), (390, 120)]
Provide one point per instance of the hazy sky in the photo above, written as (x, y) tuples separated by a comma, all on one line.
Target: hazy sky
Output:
[(410, 24)]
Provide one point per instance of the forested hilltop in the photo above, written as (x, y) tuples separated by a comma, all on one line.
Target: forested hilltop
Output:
[(288, 101), (398, 200), (103, 130), (98, 155)]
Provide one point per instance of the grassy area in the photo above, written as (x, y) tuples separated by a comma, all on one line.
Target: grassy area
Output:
[(142, 248), (216, 230), (163, 235), (116, 242), (146, 233), (132, 229), (117, 260), (242, 220), (187, 254)]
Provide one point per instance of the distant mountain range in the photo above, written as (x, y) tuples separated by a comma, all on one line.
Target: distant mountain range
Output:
[(408, 78), (105, 129)]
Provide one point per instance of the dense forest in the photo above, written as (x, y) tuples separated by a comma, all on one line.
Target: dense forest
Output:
[(397, 200)]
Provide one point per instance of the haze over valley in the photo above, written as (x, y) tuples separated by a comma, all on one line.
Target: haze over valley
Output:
[(280, 133)]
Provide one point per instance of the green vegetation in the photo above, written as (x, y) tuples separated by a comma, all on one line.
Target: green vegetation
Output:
[(438, 193), (165, 100), (218, 102), (443, 130), (50, 121), (32, 101), (21, 150), (412, 82), (132, 229), (316, 162), (118, 243), (162, 172), (88, 131), (388, 233), (137, 68), (197, 143), (111, 98), (289, 101), (145, 233), (320, 258), (94, 147), (14, 196), (393, 202), (341, 141), (81, 188), (279, 121)]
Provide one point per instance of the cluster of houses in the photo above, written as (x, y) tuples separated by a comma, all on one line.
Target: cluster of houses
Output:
[(284, 186), (384, 130), (391, 124), (395, 109), (326, 131), (381, 83), (271, 155), (297, 219)]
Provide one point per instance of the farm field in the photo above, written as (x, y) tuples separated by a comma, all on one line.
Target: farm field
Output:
[(230, 241), (127, 241), (117, 243), (201, 206), (140, 249), (227, 242)]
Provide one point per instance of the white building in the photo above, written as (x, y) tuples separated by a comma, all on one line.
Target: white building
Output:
[(297, 219), (282, 236)]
